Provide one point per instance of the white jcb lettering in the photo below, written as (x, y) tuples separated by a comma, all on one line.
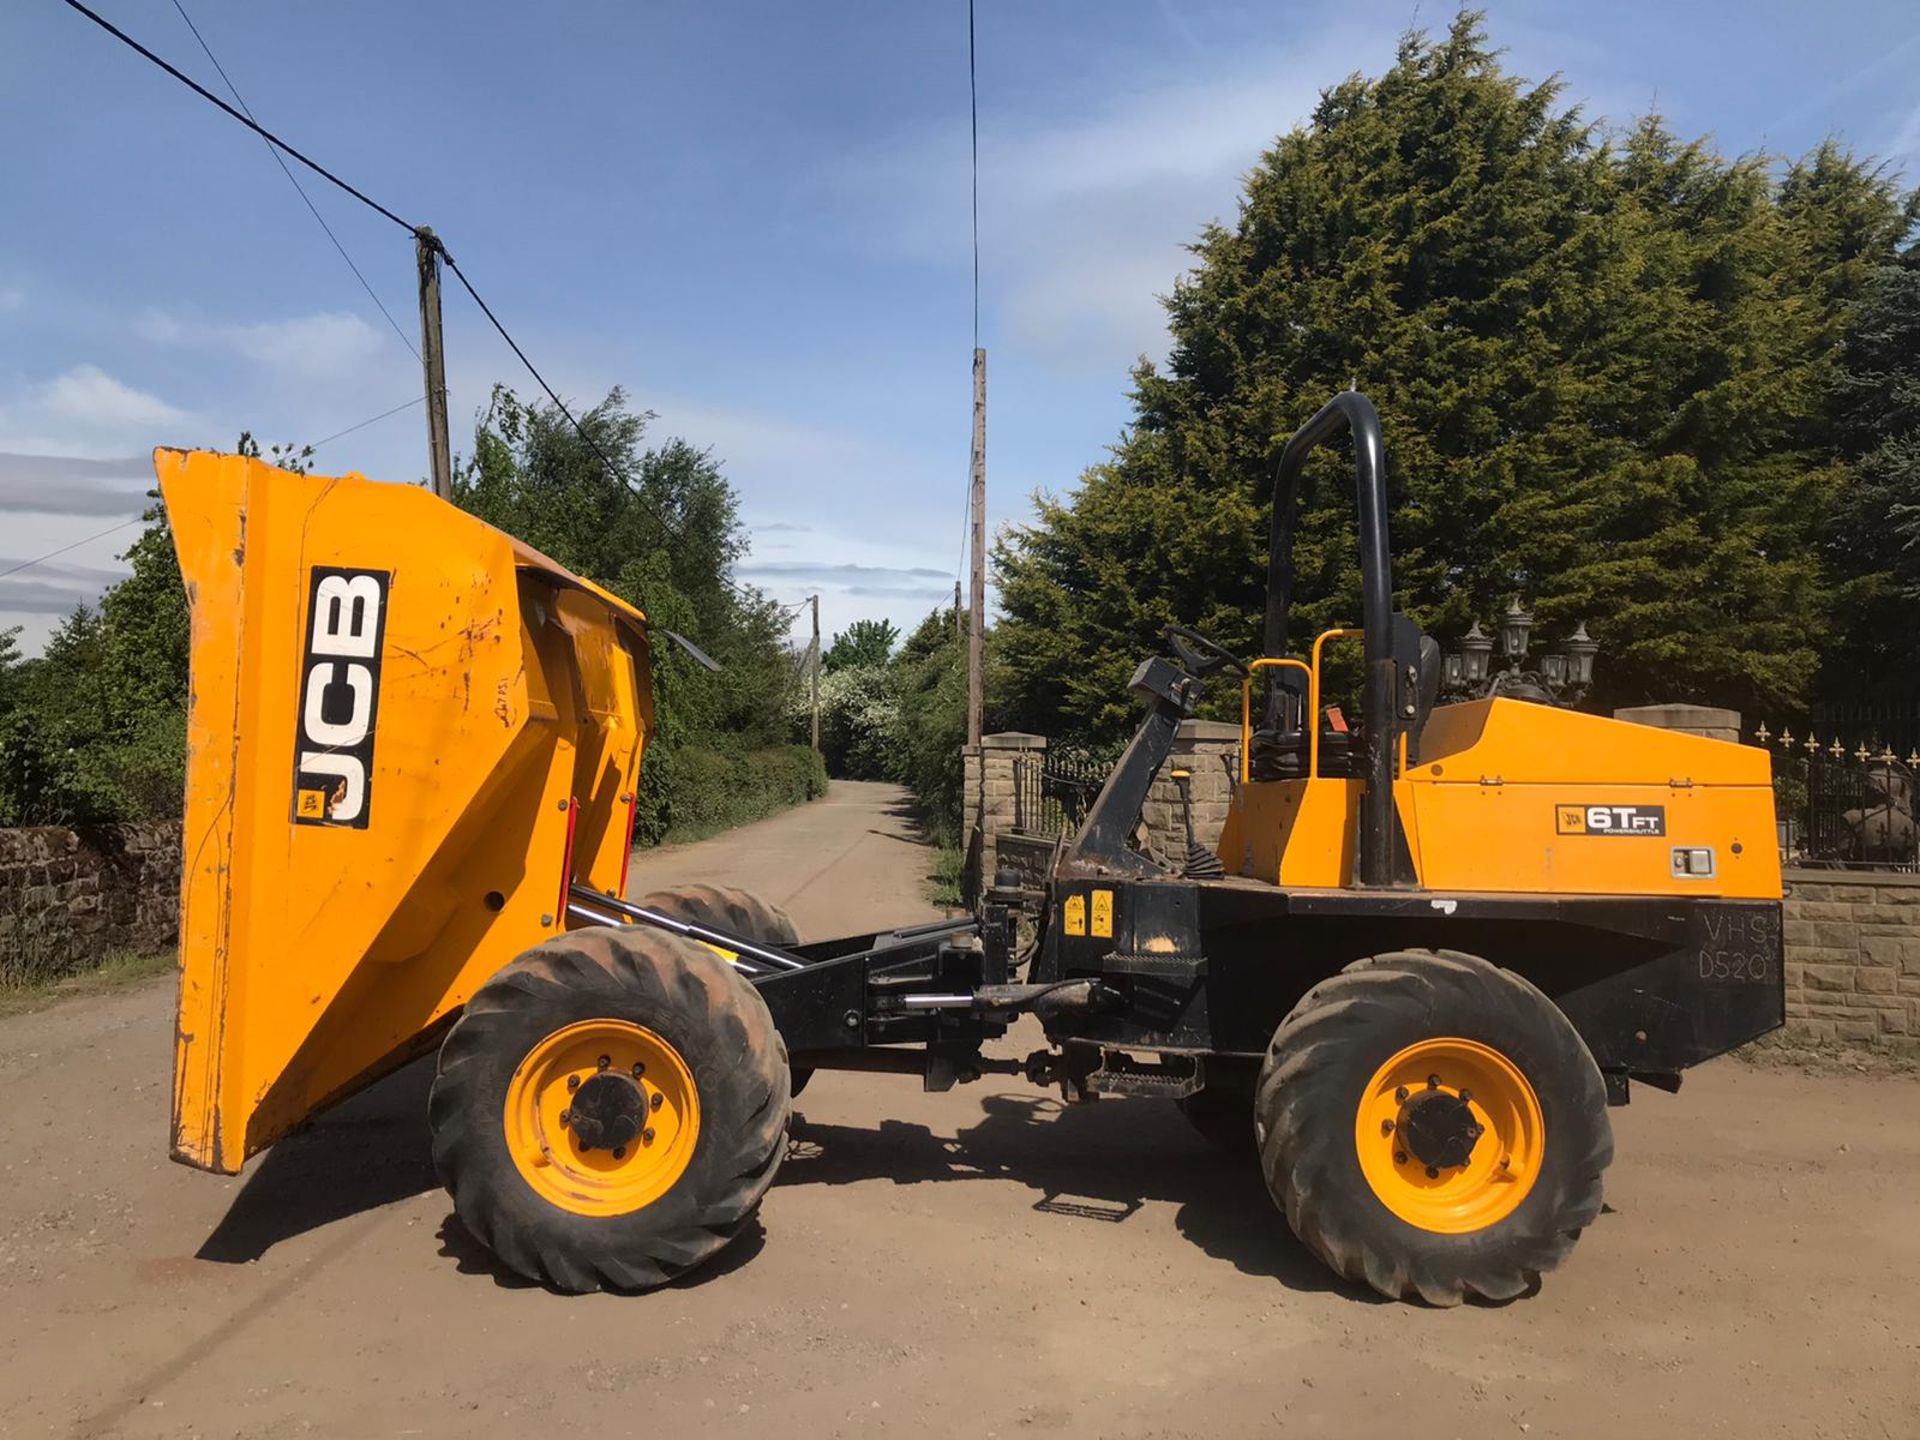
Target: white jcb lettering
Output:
[(346, 615), (357, 678), (351, 793)]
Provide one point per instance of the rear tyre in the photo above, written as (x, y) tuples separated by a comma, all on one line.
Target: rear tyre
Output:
[(610, 1109), (725, 908), (1433, 1127)]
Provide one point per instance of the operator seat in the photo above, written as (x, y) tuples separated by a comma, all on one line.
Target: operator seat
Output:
[(1280, 752)]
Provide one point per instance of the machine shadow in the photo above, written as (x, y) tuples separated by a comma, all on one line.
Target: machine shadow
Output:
[(369, 1151), (1098, 1162), (375, 1150), (470, 1257)]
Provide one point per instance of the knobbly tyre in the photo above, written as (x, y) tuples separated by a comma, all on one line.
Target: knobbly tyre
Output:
[(1429, 953)]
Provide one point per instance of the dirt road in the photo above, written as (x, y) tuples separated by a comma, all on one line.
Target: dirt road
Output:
[(982, 1263)]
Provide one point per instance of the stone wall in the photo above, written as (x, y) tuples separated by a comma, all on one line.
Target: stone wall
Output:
[(1204, 748), (1708, 720), (68, 898), (1853, 957)]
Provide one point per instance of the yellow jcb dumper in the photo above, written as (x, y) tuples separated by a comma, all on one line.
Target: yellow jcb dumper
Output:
[(1443, 942)]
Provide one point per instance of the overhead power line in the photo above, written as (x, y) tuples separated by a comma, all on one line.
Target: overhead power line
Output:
[(53, 554), (294, 180), (418, 232), (371, 420), (246, 120), (973, 121)]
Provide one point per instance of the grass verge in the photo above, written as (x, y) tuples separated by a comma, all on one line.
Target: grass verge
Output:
[(115, 972), (943, 883)]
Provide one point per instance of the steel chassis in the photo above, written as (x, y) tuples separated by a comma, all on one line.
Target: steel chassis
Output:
[(1199, 970)]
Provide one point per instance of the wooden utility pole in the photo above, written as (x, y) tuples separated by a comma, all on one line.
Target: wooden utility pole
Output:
[(956, 610), (816, 674), (977, 635), (427, 251)]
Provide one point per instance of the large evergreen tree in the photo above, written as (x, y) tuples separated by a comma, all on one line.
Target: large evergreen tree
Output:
[(1602, 368), (1876, 532)]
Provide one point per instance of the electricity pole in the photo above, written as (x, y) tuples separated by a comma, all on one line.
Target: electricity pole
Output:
[(427, 250), (816, 674), (956, 610), (976, 638)]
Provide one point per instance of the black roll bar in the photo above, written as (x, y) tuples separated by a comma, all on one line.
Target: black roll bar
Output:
[(1352, 412)]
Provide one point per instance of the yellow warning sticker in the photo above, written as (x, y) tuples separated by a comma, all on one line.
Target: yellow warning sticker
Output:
[(1075, 914), (1103, 914), (311, 805)]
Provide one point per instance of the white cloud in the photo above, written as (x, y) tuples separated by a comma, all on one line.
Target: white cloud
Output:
[(1904, 149), (89, 395), (1085, 215), (323, 346)]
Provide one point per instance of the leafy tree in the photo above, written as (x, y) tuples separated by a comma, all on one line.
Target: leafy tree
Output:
[(662, 530), (1602, 367), (930, 726), (859, 710), (865, 642)]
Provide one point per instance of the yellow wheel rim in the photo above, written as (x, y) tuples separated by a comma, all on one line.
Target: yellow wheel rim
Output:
[(1450, 1135), (629, 1083)]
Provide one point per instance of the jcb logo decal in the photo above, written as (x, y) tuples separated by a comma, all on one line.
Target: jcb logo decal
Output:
[(1610, 819), (339, 696)]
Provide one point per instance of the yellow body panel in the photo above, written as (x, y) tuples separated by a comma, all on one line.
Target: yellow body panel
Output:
[(1522, 798), (408, 731), (1293, 832)]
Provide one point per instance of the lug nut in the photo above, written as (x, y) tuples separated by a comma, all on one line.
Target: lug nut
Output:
[(1386, 1127), (639, 1068), (605, 1062), (573, 1082), (1399, 1157), (1432, 1174), (1433, 1082), (1401, 1094), (1466, 1095), (646, 1136), (659, 1098), (619, 1152), (566, 1117)]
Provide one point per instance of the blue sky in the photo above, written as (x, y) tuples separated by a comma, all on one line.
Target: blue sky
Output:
[(752, 215)]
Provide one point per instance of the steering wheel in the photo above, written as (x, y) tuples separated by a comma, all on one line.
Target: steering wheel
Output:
[(1201, 657)]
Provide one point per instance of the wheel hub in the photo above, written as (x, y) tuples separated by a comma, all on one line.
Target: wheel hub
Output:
[(607, 1112), (602, 1117), (1437, 1128), (1450, 1135)]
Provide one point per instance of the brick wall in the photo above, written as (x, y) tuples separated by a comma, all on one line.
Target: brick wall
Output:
[(1853, 957), (69, 898)]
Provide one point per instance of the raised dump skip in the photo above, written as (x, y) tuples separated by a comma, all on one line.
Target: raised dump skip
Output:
[(408, 733)]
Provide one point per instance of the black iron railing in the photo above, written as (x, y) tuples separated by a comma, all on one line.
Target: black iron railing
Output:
[(1842, 803), (1051, 793)]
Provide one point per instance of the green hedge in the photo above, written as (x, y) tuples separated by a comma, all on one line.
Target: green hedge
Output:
[(701, 792)]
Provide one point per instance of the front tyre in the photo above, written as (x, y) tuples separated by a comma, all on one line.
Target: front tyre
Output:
[(1433, 1126), (610, 1109)]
